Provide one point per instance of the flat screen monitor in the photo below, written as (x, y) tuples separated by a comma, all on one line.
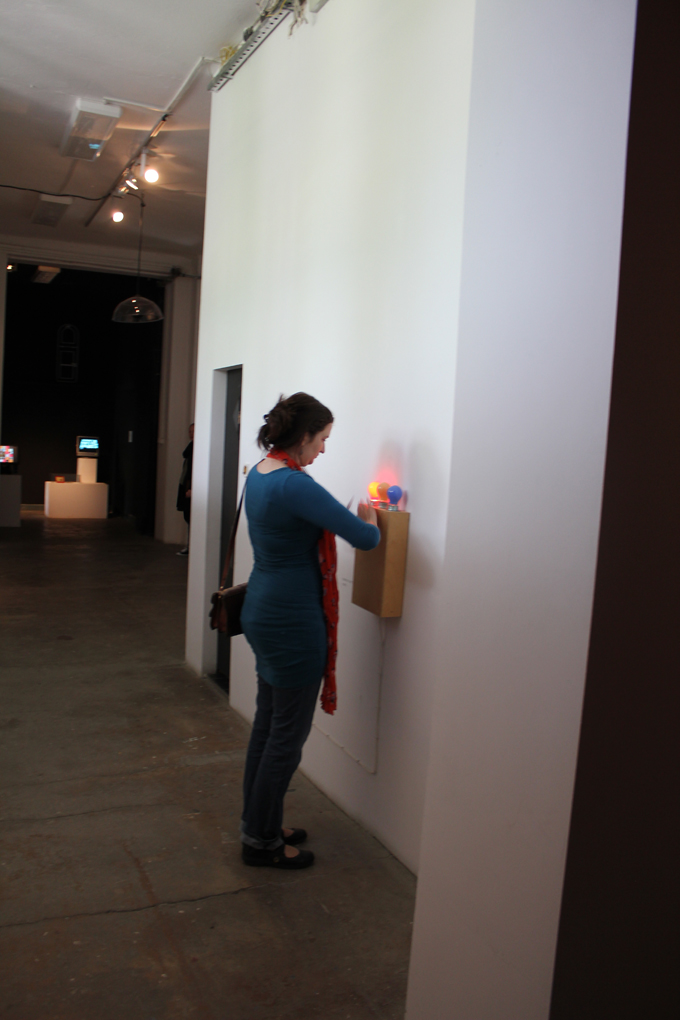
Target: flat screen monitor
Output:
[(87, 446), (8, 454)]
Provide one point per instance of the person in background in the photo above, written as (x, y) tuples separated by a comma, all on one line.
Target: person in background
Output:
[(290, 615), (184, 491)]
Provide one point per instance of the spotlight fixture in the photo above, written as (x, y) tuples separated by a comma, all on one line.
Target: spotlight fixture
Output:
[(148, 173), (138, 308), (131, 182), (90, 126), (12, 267), (117, 216)]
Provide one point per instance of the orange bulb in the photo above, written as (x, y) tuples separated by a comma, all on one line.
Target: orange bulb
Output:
[(373, 490), (381, 489)]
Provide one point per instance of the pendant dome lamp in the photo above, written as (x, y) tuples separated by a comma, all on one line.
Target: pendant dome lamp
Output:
[(138, 308)]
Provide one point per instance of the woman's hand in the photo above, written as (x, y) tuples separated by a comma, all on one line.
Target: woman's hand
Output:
[(367, 513)]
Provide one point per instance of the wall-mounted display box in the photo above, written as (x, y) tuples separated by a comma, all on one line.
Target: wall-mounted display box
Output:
[(379, 575)]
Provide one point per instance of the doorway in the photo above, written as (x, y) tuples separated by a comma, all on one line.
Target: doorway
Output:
[(232, 433), (70, 370)]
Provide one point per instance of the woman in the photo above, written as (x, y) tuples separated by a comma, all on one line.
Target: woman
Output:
[(290, 614)]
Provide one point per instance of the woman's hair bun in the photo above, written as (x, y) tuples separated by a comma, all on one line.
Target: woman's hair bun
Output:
[(291, 419), (279, 421)]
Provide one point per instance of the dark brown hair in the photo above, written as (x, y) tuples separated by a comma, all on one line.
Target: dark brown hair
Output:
[(291, 419)]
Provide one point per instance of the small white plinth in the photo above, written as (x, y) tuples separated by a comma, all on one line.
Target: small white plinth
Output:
[(76, 499), (86, 469)]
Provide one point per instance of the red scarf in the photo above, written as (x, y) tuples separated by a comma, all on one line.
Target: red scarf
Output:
[(328, 562)]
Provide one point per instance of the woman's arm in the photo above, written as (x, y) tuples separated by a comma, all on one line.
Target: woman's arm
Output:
[(307, 499)]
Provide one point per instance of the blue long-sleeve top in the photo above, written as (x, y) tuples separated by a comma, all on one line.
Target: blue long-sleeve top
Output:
[(282, 615)]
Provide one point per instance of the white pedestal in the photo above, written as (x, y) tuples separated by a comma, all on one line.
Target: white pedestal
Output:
[(76, 499), (10, 501), (86, 470)]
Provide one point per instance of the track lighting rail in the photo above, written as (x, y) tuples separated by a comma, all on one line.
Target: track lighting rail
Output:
[(132, 102), (253, 38)]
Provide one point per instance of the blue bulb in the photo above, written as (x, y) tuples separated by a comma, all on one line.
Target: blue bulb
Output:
[(394, 494)]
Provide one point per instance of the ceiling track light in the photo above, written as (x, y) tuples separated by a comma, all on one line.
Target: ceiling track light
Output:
[(147, 172), (166, 113)]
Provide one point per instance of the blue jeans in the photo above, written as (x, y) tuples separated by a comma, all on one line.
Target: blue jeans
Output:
[(282, 723)]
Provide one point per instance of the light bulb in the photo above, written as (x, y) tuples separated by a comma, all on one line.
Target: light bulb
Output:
[(118, 216), (151, 175), (382, 488), (373, 490), (132, 183)]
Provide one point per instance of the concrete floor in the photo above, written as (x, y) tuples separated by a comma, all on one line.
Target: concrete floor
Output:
[(123, 894)]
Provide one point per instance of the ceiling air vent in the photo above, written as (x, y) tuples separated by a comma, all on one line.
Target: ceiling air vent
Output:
[(45, 274), (50, 209), (89, 129)]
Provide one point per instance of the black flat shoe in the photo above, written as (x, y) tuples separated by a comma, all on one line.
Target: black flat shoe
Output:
[(296, 836), (276, 858)]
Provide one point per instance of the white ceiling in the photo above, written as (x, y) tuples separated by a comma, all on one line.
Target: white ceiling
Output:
[(53, 51)]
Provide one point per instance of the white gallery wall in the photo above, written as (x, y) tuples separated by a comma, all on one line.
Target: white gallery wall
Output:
[(414, 213), (331, 264)]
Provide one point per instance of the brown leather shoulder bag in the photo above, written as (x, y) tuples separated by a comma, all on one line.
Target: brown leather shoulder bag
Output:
[(225, 614)]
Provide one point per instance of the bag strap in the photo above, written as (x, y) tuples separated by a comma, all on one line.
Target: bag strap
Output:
[(232, 540)]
